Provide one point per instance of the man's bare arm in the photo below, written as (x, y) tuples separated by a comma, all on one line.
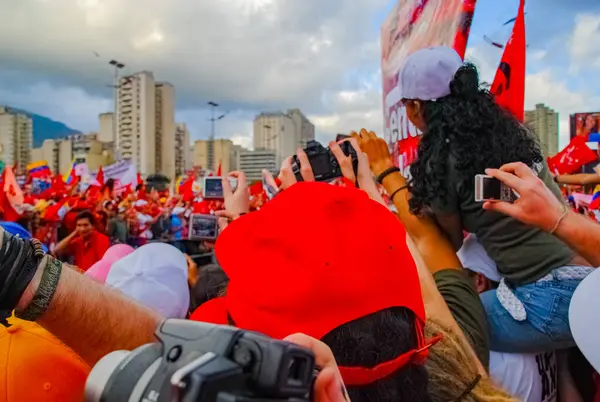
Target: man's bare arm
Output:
[(581, 234), (93, 319), (64, 243), (578, 179), (537, 206)]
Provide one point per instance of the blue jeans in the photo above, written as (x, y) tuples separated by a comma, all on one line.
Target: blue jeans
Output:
[(547, 325)]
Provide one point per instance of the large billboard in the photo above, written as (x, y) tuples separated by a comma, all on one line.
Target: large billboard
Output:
[(584, 124), (413, 25)]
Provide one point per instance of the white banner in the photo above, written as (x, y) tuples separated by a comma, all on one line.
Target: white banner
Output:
[(123, 172)]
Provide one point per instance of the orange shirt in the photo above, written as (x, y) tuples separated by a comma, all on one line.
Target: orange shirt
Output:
[(90, 250)]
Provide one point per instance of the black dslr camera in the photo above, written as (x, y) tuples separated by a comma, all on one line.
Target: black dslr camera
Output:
[(196, 362), (324, 165)]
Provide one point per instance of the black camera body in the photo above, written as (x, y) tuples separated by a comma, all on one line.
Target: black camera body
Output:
[(196, 362), (324, 164)]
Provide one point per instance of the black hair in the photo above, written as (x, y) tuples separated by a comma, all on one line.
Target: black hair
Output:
[(468, 125), (212, 282), (109, 184), (375, 339), (86, 215)]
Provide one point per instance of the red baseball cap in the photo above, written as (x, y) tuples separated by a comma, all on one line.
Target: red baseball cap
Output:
[(315, 258)]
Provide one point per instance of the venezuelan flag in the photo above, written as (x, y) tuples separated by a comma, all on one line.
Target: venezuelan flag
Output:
[(68, 177), (38, 169), (595, 204)]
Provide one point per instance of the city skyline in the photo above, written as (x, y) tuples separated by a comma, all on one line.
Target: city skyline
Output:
[(319, 66)]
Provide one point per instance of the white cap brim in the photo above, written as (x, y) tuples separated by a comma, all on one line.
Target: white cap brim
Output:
[(583, 318)]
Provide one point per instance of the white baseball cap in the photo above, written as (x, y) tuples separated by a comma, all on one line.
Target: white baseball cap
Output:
[(583, 318), (427, 73), (473, 256), (156, 276)]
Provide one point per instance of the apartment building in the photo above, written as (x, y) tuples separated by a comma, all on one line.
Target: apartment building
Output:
[(282, 132), (544, 122), (16, 138), (106, 132), (224, 153), (165, 129), (136, 121), (182, 149), (252, 163), (80, 148)]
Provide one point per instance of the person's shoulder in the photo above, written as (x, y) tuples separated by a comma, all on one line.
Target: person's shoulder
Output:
[(451, 275), (99, 236)]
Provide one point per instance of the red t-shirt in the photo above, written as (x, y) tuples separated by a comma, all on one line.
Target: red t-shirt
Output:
[(90, 250)]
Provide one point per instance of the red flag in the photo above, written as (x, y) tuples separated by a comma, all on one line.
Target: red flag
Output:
[(573, 157), (219, 172), (58, 184), (509, 83), (139, 179), (100, 176), (462, 36), (256, 188), (11, 197), (186, 189)]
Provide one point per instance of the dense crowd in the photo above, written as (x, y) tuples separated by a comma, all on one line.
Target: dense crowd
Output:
[(424, 295)]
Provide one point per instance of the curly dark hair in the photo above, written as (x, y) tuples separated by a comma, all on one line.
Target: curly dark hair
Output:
[(469, 126)]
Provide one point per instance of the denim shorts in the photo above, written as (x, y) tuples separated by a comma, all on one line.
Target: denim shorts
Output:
[(547, 325)]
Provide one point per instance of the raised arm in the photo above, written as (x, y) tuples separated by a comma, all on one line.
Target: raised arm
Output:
[(90, 318), (435, 248)]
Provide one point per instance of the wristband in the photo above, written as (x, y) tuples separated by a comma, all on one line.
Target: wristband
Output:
[(386, 173), (397, 191), (45, 291), (19, 260)]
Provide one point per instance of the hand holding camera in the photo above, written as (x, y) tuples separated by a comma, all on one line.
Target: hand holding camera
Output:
[(376, 149), (323, 163), (237, 200), (195, 361), (536, 205)]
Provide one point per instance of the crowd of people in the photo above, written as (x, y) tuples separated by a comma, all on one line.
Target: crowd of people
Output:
[(424, 295)]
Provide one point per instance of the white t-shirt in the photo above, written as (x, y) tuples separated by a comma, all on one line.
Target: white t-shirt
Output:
[(529, 377)]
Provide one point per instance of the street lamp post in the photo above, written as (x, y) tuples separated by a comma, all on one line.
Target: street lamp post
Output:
[(269, 142), (211, 140)]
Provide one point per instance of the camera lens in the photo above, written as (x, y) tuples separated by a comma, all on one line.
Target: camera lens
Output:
[(120, 376), (101, 373)]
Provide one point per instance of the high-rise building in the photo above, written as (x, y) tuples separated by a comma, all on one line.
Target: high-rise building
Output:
[(16, 138), (106, 132), (283, 133), (136, 121), (182, 149), (165, 129), (252, 163), (303, 125), (235, 156), (544, 122), (223, 151)]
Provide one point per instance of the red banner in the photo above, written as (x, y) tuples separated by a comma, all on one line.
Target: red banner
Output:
[(509, 83), (414, 25), (573, 157)]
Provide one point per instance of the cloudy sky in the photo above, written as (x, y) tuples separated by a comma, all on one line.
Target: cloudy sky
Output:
[(253, 55)]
